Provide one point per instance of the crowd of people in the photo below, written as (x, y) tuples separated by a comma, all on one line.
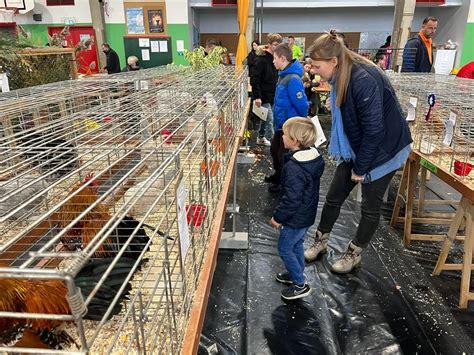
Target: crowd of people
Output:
[(370, 141)]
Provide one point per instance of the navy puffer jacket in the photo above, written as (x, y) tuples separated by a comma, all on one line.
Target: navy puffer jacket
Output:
[(372, 118), (299, 193)]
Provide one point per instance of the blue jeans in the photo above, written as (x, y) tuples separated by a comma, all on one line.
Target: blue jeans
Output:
[(291, 250), (266, 127)]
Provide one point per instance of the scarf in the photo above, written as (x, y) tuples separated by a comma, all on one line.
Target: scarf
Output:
[(339, 147), (428, 44)]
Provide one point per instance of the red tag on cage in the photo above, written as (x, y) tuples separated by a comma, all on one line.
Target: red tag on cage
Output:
[(167, 134), (196, 214)]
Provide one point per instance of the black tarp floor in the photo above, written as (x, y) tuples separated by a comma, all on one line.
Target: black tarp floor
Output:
[(390, 305)]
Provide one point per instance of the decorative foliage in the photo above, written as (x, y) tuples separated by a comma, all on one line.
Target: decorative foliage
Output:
[(199, 60)]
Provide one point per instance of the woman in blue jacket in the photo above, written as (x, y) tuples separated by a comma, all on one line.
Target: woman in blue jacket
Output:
[(370, 140)]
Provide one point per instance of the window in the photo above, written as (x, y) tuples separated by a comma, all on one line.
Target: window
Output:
[(59, 2), (224, 2)]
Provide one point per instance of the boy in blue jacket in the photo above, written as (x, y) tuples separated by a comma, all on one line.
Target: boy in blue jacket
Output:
[(290, 101), (298, 202)]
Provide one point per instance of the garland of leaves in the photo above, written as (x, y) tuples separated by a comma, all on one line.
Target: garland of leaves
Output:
[(198, 59)]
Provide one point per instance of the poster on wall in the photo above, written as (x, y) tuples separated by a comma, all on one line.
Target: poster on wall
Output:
[(155, 21), (135, 23)]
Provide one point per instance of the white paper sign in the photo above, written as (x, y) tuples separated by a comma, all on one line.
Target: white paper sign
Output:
[(180, 45), (261, 112), (183, 228), (145, 55), (320, 136), (4, 83), (144, 42), (155, 46), (427, 147), (412, 109), (163, 46), (444, 61), (449, 127)]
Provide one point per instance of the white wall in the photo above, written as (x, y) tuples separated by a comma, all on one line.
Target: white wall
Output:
[(452, 25), (307, 20), (177, 11), (80, 13), (114, 12), (320, 3)]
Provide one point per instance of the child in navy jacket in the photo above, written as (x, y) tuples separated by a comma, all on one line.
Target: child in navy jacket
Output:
[(299, 197)]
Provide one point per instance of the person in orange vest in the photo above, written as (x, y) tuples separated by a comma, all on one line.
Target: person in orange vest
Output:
[(418, 52)]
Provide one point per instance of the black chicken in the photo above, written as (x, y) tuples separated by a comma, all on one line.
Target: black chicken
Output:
[(49, 154)]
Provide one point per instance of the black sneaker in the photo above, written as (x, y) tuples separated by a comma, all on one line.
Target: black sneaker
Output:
[(271, 178), (284, 278), (294, 292)]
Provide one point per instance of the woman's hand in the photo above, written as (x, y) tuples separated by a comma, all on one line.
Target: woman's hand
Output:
[(357, 178), (274, 223)]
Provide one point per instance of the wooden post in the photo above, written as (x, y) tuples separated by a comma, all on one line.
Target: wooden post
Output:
[(422, 193), (414, 167), (453, 231), (465, 294)]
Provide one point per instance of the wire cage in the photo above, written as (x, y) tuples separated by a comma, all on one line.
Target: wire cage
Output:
[(29, 109), (105, 232), (440, 110), (386, 58)]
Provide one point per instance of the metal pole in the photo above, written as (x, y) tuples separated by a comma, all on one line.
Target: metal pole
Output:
[(234, 198), (261, 21)]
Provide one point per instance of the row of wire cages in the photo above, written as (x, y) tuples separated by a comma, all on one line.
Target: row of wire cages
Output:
[(104, 235), (30, 108), (440, 113), (386, 58)]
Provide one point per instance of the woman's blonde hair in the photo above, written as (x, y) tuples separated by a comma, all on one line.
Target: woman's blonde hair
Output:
[(301, 130), (330, 45), (132, 61)]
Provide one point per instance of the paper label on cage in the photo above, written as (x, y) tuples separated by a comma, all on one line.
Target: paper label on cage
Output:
[(261, 112), (412, 109), (427, 165), (449, 128), (320, 137), (141, 85), (427, 147), (183, 227)]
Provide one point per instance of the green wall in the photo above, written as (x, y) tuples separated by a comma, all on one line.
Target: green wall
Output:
[(114, 33), (114, 36), (178, 32), (39, 32), (468, 46)]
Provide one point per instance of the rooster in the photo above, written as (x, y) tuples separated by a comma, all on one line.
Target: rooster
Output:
[(33, 296)]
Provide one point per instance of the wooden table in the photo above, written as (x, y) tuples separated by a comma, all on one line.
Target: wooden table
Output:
[(463, 216)]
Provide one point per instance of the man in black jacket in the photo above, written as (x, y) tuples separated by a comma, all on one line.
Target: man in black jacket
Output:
[(418, 52), (263, 79), (113, 62)]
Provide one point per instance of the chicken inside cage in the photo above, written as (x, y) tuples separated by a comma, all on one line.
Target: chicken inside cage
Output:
[(100, 224)]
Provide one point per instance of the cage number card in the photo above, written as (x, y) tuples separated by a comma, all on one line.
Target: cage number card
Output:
[(261, 112), (449, 128), (412, 108)]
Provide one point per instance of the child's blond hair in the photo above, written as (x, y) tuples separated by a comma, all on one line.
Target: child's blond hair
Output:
[(301, 130)]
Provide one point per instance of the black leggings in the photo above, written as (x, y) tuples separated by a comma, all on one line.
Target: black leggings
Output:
[(277, 150), (372, 198)]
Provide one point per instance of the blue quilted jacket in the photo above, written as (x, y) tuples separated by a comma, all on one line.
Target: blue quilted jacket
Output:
[(299, 193), (290, 97), (372, 118)]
